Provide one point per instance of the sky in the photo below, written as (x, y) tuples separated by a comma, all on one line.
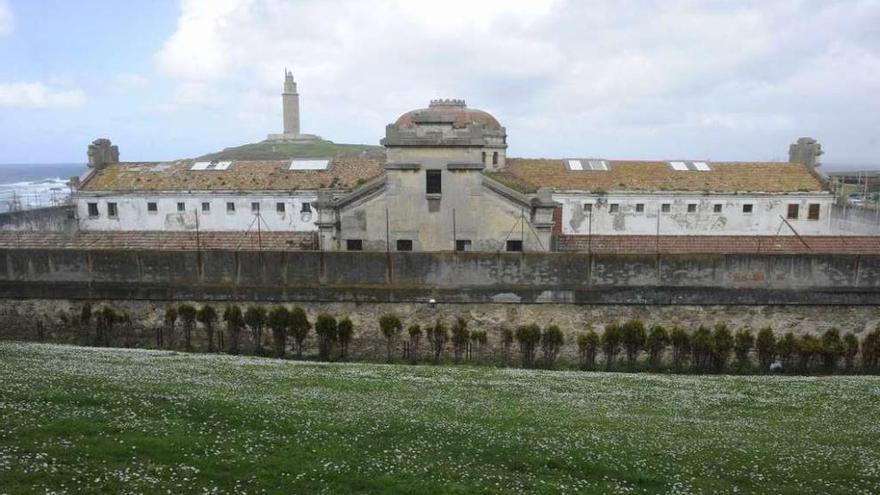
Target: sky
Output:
[(672, 79)]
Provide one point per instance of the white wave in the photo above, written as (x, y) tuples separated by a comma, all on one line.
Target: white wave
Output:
[(27, 195)]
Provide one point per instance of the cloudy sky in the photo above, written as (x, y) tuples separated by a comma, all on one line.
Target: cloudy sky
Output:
[(735, 80)]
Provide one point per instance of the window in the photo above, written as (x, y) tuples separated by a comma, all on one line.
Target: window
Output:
[(813, 211), (588, 207), (665, 208), (514, 246), (404, 245), (181, 206), (306, 208), (463, 245), (279, 207), (692, 208), (112, 212), (206, 207), (255, 207), (717, 207), (640, 207), (93, 209), (354, 245), (793, 210), (747, 208), (484, 157), (432, 182), (230, 207), (152, 207), (613, 208), (495, 158)]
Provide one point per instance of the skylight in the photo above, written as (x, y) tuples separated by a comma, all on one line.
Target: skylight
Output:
[(591, 164), (683, 166), (214, 165), (309, 164)]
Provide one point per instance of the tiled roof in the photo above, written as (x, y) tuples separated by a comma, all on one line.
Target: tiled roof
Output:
[(343, 172), (706, 244), (528, 175), (154, 240)]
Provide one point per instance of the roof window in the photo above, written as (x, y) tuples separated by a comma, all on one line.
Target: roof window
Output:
[(682, 166), (212, 165), (589, 164), (309, 164)]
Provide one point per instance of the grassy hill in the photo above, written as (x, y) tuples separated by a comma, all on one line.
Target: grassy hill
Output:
[(87, 420), (267, 150)]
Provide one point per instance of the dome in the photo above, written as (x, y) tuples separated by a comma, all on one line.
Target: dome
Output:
[(453, 112)]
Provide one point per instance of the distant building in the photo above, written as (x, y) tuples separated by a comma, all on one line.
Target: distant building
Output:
[(290, 114), (445, 183)]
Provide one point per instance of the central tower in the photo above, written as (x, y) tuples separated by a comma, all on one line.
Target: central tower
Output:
[(290, 105)]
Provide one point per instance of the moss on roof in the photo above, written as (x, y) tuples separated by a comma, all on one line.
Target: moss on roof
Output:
[(726, 177)]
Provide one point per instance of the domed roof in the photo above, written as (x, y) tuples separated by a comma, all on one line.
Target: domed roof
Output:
[(453, 112)]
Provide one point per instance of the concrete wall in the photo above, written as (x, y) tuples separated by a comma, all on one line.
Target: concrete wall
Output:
[(133, 213), (51, 219), (731, 220), (578, 278)]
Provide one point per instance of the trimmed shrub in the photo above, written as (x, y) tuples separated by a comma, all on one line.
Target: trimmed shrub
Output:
[(611, 344), (787, 350), (871, 351), (633, 336), (702, 344), (234, 323), (743, 342), (831, 349), (588, 345), (299, 328), (207, 316), (437, 336), (325, 328), (808, 347), (851, 350), (478, 341), (105, 319), (255, 319), (460, 337), (765, 345), (415, 341), (551, 343), (506, 344), (722, 345), (166, 338), (658, 339), (279, 321), (681, 347), (344, 334), (187, 315), (390, 326), (528, 337)]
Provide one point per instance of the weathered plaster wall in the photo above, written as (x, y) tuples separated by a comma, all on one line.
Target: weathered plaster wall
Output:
[(464, 210), (731, 220), (134, 215), (52, 219)]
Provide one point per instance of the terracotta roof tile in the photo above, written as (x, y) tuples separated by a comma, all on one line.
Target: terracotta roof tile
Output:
[(155, 240), (528, 175), (344, 172)]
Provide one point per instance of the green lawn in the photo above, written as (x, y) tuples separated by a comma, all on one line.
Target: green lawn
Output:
[(82, 420)]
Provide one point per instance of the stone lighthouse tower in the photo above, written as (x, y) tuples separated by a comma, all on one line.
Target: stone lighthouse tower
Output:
[(290, 110), (290, 104)]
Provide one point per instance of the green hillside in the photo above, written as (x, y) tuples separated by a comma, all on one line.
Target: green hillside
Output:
[(268, 150)]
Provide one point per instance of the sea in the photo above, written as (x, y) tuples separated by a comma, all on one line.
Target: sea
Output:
[(25, 187)]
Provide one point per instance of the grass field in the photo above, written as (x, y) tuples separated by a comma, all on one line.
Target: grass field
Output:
[(82, 420)]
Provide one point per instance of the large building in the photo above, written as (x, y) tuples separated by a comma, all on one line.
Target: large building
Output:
[(445, 183)]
